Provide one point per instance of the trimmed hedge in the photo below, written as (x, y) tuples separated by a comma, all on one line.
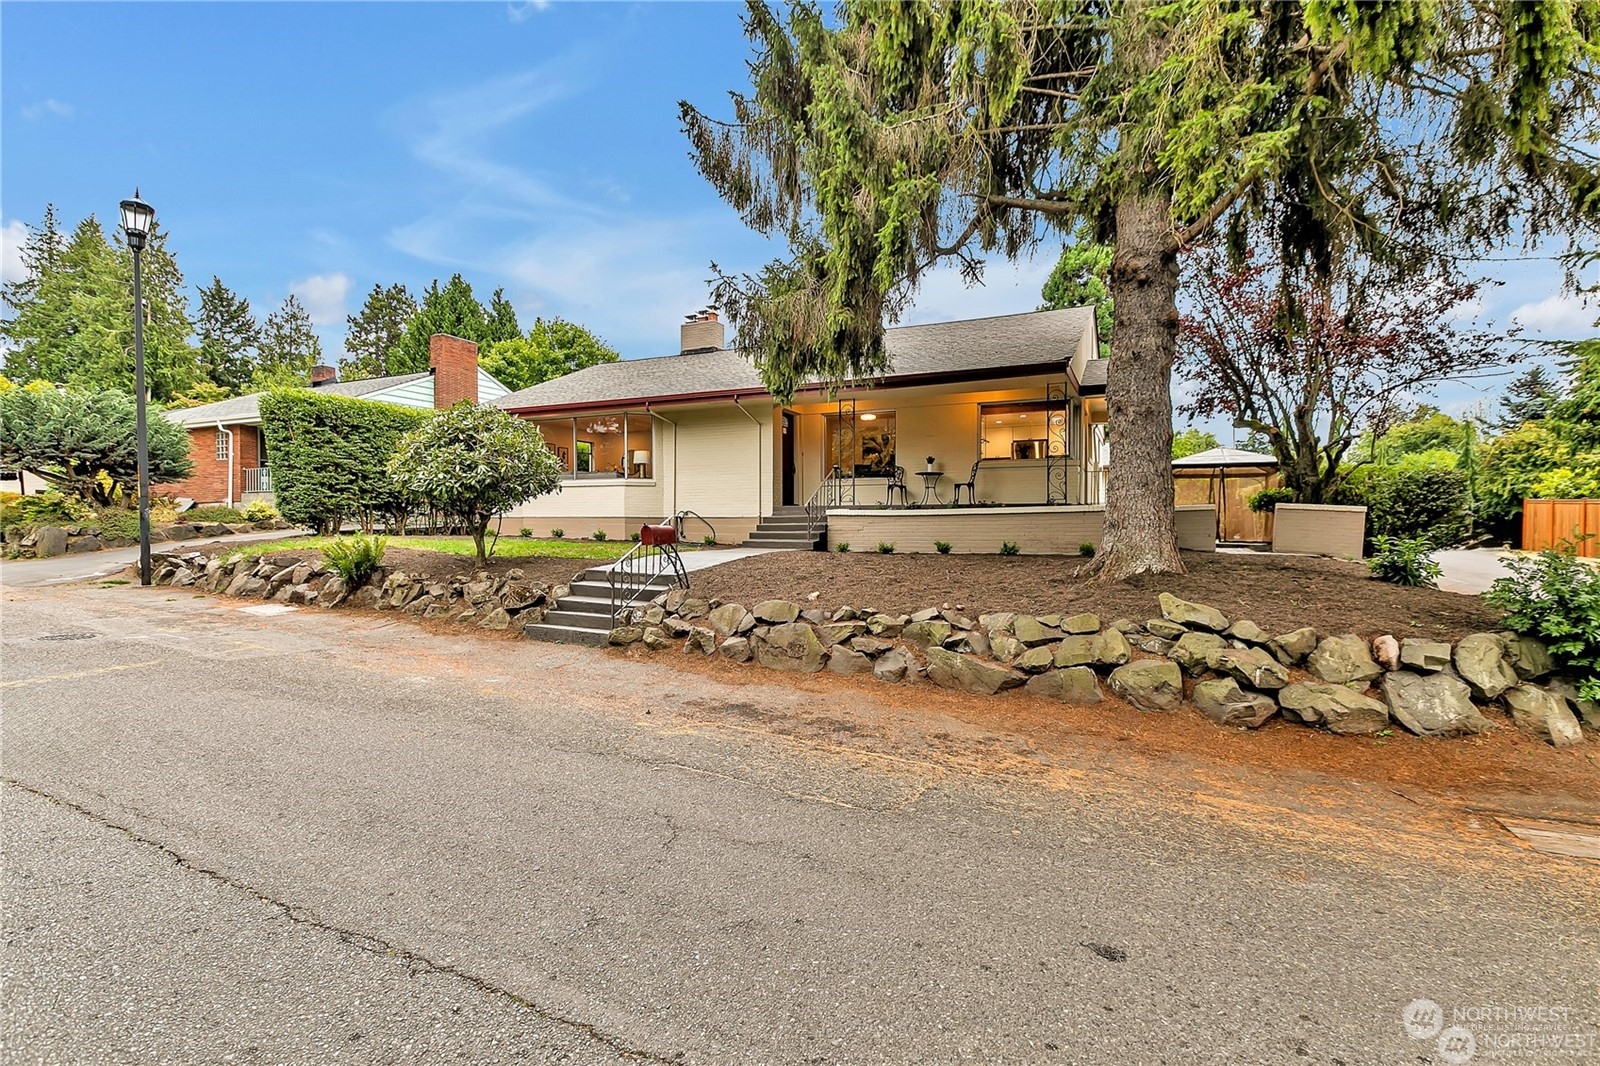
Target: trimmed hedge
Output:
[(329, 457), (1405, 502)]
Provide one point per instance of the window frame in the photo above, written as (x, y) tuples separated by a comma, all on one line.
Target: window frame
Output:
[(830, 436), (1068, 450)]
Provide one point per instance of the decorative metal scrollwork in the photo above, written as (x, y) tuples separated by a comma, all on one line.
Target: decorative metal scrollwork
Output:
[(1056, 470)]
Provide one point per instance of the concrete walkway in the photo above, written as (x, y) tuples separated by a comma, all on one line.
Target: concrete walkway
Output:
[(64, 569), (1471, 570), (709, 557)]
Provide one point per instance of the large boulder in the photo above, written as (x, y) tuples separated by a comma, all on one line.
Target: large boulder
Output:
[(622, 636), (1032, 632), (1191, 614), (949, 669), (1481, 662), (1250, 666), (1543, 713), (1225, 703), (497, 618), (1036, 660), (731, 618), (1149, 684), (843, 660), (1588, 711), (791, 646), (893, 666), (702, 639), (1191, 650), (1424, 656), (1165, 630), (1343, 660), (1338, 708), (1111, 648), (736, 649), (1074, 651), (886, 625), (49, 541), (1081, 623), (1432, 705), (1076, 684), (1291, 648), (831, 633), (928, 632), (1528, 656), (775, 612), (1249, 632)]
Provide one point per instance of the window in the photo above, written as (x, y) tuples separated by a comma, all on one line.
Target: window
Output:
[(1025, 429), (223, 441), (869, 450), (610, 445)]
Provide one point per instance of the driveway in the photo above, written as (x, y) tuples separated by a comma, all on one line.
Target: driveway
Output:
[(224, 842), (65, 569), (1471, 570)]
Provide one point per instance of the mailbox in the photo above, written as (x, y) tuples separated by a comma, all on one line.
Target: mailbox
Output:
[(658, 536)]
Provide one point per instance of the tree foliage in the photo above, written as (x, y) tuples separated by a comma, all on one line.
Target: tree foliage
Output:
[(473, 462), (888, 139), (452, 310), (373, 337), (1527, 398), (551, 348), (228, 336), (1314, 367), (330, 454), (1081, 278), (500, 320), (1193, 442), (84, 442), (289, 348)]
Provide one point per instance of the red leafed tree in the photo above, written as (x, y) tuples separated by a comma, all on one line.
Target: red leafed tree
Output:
[(1310, 366)]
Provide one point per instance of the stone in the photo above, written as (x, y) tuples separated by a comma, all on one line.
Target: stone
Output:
[(964, 673), (892, 666), (333, 592), (657, 638), (956, 618), (1480, 660), (1432, 705), (1386, 652), (996, 622), (1075, 684), (476, 592), (1424, 655), (730, 619), (1051, 620), (1004, 647), (845, 661), (364, 597), (1164, 629), (845, 614), (1031, 632), (777, 612), (499, 618), (871, 646), (1588, 710), (1342, 660), (1081, 623), (1149, 684), (1153, 645), (625, 635), (1111, 648), (1126, 626), (702, 639), (244, 584), (926, 615), (519, 595), (302, 594), (886, 625), (736, 649), (790, 646), (1035, 660), (832, 633), (1528, 656), (695, 607), (1191, 650), (653, 615), (975, 642), (816, 616), (469, 615), (49, 541), (301, 574), (675, 627), (1225, 703), (1074, 651), (1544, 714), (675, 598), (1191, 614), (84, 544), (926, 633), (1291, 648), (1249, 632), (1249, 666), (1337, 707)]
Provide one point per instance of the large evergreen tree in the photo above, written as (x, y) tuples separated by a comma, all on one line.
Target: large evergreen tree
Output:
[(373, 338), (1527, 398), (887, 139), (289, 348), (228, 336), (501, 324), (1081, 278), (451, 309)]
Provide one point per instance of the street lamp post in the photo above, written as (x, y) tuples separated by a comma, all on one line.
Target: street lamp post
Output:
[(137, 218)]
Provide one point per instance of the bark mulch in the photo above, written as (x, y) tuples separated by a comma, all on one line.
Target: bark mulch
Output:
[(1278, 593)]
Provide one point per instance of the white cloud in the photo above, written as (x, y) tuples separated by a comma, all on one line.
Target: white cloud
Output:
[(324, 296), (12, 239), (51, 108), (1558, 316), (525, 11)]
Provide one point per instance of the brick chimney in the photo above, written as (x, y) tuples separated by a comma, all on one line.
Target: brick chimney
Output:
[(454, 364), (701, 333), (321, 375)]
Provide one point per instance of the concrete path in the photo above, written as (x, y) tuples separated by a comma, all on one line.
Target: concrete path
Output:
[(707, 558), (65, 569), (1471, 570)]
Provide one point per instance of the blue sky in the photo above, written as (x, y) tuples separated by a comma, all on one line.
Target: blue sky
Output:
[(323, 148)]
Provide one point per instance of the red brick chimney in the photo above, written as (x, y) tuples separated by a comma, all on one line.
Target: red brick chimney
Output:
[(454, 363), (321, 375)]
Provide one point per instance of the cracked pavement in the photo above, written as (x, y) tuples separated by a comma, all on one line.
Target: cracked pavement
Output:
[(316, 837)]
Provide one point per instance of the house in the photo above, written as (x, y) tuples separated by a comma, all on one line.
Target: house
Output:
[(230, 453), (1012, 405)]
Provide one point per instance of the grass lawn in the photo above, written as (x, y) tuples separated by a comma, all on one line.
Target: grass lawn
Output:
[(507, 548)]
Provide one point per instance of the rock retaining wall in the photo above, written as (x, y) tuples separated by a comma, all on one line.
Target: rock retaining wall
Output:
[(43, 542)]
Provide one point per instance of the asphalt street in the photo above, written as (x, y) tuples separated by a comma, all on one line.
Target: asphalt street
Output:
[(307, 837)]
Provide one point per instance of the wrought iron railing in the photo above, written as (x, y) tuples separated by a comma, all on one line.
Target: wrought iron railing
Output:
[(828, 494), (257, 479), (635, 576)]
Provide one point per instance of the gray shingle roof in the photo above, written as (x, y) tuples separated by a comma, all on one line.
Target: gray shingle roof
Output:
[(248, 408), (1008, 345), (1094, 377)]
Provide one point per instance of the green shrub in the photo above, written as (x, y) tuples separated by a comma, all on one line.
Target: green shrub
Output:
[(1087, 549), (942, 547), (634, 537), (45, 509), (1010, 548), (885, 547), (1404, 561), (1554, 596), (598, 534), (355, 558), (203, 515), (261, 511), (709, 539), (1408, 502), (525, 533), (1268, 499), (558, 533), (119, 522), (842, 547)]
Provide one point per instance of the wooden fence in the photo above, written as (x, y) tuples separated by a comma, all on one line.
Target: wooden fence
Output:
[(1546, 523)]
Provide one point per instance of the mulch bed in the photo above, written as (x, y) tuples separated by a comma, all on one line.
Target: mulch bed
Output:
[(535, 568), (1278, 593)]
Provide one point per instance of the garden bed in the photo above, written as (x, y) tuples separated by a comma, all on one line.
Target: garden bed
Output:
[(1278, 593), (540, 569)]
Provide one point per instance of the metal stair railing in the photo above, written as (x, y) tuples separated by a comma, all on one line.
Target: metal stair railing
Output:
[(633, 575), (826, 495)]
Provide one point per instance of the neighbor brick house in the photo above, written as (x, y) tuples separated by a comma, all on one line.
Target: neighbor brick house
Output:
[(231, 455)]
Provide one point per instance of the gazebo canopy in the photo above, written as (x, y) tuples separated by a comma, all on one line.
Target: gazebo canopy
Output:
[(1215, 457)]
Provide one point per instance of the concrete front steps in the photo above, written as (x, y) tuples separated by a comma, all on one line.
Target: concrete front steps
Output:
[(786, 528), (583, 616)]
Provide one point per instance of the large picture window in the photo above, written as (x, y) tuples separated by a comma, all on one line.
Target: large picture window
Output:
[(614, 445), (1024, 429), (869, 450)]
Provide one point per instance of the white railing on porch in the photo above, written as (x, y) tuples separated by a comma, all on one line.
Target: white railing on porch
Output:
[(257, 479)]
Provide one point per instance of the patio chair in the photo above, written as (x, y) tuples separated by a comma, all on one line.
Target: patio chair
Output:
[(897, 483), (971, 485)]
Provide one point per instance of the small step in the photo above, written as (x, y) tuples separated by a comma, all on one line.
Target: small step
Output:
[(562, 634), (762, 536), (579, 619)]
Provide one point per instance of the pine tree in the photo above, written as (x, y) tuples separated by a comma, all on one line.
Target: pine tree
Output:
[(502, 320), (373, 339), (453, 310), (1527, 399), (1081, 278), (171, 365), (28, 334), (289, 348), (228, 336)]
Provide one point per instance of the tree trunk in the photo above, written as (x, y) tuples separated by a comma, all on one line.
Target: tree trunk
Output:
[(1140, 531), (480, 531)]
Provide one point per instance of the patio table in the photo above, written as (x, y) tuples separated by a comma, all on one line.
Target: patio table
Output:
[(930, 486)]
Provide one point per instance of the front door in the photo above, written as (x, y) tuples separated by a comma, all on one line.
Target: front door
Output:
[(788, 458)]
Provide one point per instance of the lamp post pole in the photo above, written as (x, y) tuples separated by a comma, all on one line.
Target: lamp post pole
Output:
[(136, 219)]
